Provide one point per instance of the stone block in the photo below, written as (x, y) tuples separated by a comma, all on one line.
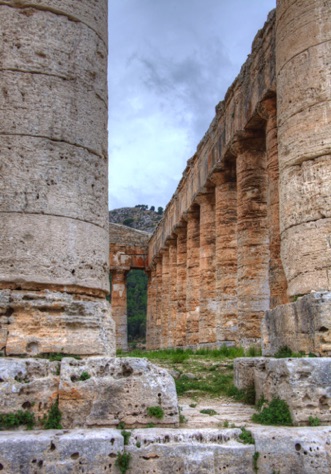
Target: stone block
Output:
[(28, 384), (60, 452), (46, 321), (244, 370), (118, 390), (304, 325), (304, 383)]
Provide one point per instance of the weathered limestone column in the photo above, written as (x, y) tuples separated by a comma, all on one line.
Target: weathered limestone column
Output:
[(172, 292), (208, 305), (165, 302), (226, 253), (253, 236), (119, 308), (277, 280), (53, 179), (151, 308), (181, 232), (193, 276), (303, 66), (159, 296)]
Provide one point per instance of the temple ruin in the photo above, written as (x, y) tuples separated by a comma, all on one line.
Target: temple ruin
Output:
[(242, 255)]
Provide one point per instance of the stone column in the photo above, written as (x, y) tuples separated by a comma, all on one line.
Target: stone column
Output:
[(303, 67), (172, 292), (277, 280), (226, 253), (119, 308), (158, 306), (252, 235), (151, 308), (165, 301), (208, 305), (193, 276), (181, 232), (53, 180)]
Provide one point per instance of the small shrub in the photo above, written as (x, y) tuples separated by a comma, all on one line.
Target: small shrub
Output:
[(150, 425), (193, 405), (19, 418), (226, 424), (246, 436), (208, 411), (84, 376), (123, 461), (314, 421), (52, 421), (254, 351), (121, 425), (285, 352), (182, 419), (276, 413), (126, 435), (156, 412)]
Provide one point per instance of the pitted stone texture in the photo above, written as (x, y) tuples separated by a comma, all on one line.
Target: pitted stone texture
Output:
[(93, 13), (28, 384), (293, 450), (118, 390), (81, 57), (305, 384), (53, 250), (59, 452), (302, 326), (55, 108), (45, 321), (31, 184)]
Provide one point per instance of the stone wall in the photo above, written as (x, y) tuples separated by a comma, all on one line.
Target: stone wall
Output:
[(54, 217), (248, 228)]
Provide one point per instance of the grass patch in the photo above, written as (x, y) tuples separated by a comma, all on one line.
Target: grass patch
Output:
[(126, 435), (19, 418), (52, 421), (208, 411), (275, 413), (156, 412), (57, 356), (314, 421), (246, 436), (285, 352), (123, 461), (84, 376), (245, 395), (256, 456)]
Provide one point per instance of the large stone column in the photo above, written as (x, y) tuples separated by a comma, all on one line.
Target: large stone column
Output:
[(165, 301), (53, 179), (151, 308), (253, 236), (193, 276), (208, 305), (159, 297), (226, 253), (181, 232), (119, 308), (277, 280), (172, 334), (303, 66)]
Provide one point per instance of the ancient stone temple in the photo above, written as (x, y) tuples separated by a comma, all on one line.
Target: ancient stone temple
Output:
[(248, 228)]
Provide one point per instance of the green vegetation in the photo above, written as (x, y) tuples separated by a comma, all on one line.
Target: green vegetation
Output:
[(57, 356), (84, 376), (136, 304), (314, 421), (256, 456), (52, 421), (123, 461), (19, 418), (182, 419), (126, 435), (156, 412), (246, 436), (285, 352), (275, 412), (121, 425), (208, 411)]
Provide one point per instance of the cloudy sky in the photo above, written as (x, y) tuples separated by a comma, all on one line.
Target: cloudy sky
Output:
[(170, 63)]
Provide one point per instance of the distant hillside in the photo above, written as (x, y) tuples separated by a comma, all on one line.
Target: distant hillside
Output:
[(139, 217)]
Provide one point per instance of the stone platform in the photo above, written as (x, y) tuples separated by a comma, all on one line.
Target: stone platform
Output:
[(168, 451)]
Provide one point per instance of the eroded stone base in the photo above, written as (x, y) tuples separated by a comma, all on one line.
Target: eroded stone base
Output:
[(165, 451), (304, 325), (39, 322), (305, 384), (95, 392)]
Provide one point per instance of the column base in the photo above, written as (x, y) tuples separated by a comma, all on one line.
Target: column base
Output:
[(41, 322)]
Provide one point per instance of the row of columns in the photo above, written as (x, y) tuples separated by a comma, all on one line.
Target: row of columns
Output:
[(220, 270)]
